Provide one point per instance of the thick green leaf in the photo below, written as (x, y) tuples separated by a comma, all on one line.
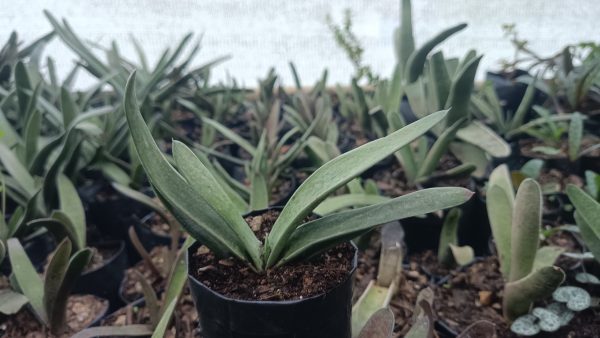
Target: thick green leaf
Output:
[(77, 264), (405, 42), (315, 236), (526, 224), (500, 203), (520, 294), (2, 250), (204, 184), (23, 85), (192, 211), (336, 203), (336, 173), (439, 148), (55, 273), (28, 279), (480, 135), (68, 107), (58, 225), (468, 153), (11, 302), (71, 205), (575, 136), (524, 106), (440, 79), (587, 208), (592, 241), (150, 298), (460, 92), (32, 134), (449, 235), (17, 170), (417, 59)]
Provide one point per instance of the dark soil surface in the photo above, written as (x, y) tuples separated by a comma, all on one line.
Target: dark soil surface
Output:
[(233, 278), (471, 295), (82, 310), (131, 288), (528, 144)]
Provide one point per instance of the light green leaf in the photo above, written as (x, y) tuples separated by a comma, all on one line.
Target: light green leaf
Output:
[(11, 302), (28, 279), (336, 203), (546, 256), (72, 207), (480, 135), (575, 136), (336, 173), (315, 236)]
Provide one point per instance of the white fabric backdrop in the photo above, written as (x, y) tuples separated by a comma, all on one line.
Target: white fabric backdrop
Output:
[(260, 34)]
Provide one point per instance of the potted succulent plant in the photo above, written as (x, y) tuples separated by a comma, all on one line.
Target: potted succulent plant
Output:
[(272, 243)]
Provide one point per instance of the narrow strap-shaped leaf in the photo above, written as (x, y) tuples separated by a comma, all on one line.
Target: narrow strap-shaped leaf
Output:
[(200, 220), (76, 266), (177, 278), (71, 206), (438, 149), (230, 134), (480, 135), (203, 182), (55, 226), (150, 297), (525, 105), (591, 239), (405, 41), (448, 236), (460, 92), (417, 59), (67, 106), (32, 135), (2, 251), (23, 85), (28, 279), (500, 210), (161, 328), (575, 136), (336, 203), (17, 170), (440, 79), (11, 302), (336, 173), (587, 208), (315, 236), (55, 273)]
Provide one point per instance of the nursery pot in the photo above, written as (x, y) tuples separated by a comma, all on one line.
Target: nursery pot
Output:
[(322, 316), (37, 247), (105, 280)]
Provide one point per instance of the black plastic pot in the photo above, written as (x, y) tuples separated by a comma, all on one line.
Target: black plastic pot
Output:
[(322, 316), (286, 197), (510, 92), (105, 280)]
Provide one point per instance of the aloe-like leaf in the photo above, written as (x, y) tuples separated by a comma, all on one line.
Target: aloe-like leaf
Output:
[(32, 134), (587, 216), (23, 85), (231, 135), (336, 203), (520, 294), (423, 316), (192, 211), (525, 105), (55, 273), (449, 235), (68, 107), (135, 330), (203, 182), (77, 265), (460, 92), (480, 135), (405, 42), (161, 327), (438, 149), (11, 302), (417, 59), (575, 136), (499, 204), (440, 79), (8, 135), (17, 170), (526, 224), (27, 277), (334, 174), (72, 207), (50, 185), (312, 237)]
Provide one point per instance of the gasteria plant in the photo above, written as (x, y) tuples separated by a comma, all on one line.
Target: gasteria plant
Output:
[(516, 221), (199, 203), (48, 298), (587, 216)]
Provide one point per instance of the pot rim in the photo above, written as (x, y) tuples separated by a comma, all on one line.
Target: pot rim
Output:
[(269, 302), (120, 244)]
